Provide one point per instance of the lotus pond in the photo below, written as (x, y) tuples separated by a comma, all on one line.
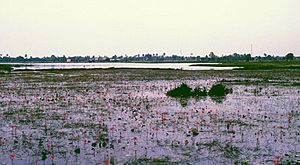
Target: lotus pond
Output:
[(123, 116)]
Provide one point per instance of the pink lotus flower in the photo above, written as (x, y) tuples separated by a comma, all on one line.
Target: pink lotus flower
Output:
[(12, 156), (53, 156), (106, 161)]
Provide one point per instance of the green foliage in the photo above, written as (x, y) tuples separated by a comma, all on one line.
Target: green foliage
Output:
[(289, 56), (259, 65), (103, 138), (94, 145), (195, 132), (154, 161), (231, 151), (183, 91), (183, 102), (44, 155), (219, 90), (112, 160), (200, 92), (5, 67), (77, 151), (212, 144)]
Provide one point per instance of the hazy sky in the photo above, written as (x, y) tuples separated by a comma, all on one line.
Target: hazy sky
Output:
[(108, 27)]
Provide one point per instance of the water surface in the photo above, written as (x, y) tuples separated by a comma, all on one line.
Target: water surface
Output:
[(182, 66)]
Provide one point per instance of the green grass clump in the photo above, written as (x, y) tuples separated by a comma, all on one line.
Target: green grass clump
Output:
[(184, 91), (200, 92), (219, 90)]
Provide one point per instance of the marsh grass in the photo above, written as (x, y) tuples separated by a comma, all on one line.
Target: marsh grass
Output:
[(152, 161), (231, 151), (5, 68), (258, 65)]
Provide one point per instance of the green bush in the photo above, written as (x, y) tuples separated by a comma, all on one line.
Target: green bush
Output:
[(200, 92), (219, 90), (183, 91)]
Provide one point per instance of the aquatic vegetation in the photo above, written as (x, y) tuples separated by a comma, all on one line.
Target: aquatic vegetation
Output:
[(211, 144), (154, 161), (122, 116), (231, 151), (217, 92), (195, 132), (199, 92), (183, 91), (77, 150), (243, 162), (287, 160)]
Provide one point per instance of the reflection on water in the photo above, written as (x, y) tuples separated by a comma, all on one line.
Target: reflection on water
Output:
[(97, 122), (183, 66)]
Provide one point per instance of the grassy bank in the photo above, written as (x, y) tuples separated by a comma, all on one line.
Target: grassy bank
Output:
[(251, 74), (284, 77), (5, 68), (258, 65)]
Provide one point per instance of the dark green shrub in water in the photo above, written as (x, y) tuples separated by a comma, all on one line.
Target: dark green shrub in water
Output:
[(219, 90), (200, 92), (183, 91), (77, 150)]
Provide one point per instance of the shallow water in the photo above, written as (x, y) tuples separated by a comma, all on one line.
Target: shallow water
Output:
[(183, 66), (135, 119)]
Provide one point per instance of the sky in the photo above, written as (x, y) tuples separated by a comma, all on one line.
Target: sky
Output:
[(109, 27)]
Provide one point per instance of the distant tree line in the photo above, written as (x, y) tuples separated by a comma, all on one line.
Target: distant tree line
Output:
[(211, 57)]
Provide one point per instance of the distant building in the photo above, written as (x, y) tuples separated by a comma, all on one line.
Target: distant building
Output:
[(69, 60)]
